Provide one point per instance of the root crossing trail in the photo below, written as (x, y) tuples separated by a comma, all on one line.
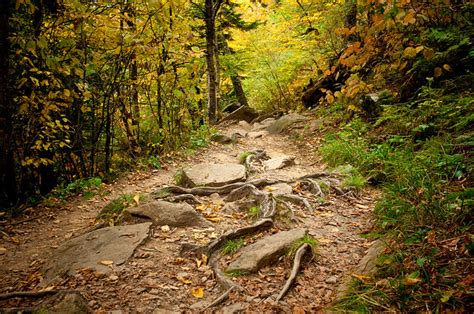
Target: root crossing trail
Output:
[(210, 257)]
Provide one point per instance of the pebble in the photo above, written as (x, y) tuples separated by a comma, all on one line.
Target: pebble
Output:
[(332, 279)]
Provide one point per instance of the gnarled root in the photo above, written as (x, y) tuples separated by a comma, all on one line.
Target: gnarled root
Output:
[(294, 271)]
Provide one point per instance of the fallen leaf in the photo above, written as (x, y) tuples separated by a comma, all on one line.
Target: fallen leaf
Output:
[(165, 228), (197, 292), (362, 206), (107, 262), (214, 219), (409, 52), (204, 259), (184, 280), (136, 198), (412, 279), (298, 310), (2, 250), (438, 72), (364, 278)]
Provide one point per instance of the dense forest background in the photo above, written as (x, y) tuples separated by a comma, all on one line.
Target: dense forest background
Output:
[(92, 88)]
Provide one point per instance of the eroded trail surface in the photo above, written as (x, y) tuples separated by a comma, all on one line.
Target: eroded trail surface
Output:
[(187, 247)]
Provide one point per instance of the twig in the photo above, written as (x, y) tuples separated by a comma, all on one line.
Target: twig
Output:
[(294, 271)]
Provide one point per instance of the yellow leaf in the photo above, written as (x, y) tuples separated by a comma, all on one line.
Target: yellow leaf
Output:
[(330, 98), (136, 198), (204, 259), (410, 281), (184, 280), (447, 67), (419, 48), (364, 278), (2, 250), (409, 52), (201, 207), (197, 292), (438, 72), (213, 219), (67, 93), (107, 262)]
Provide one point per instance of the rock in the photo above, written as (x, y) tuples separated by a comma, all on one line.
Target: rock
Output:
[(257, 134), (279, 162), (331, 280), (279, 189), (285, 122), (239, 206), (245, 125), (170, 214), (242, 113), (238, 133), (368, 265), (221, 138), (265, 251), (72, 303), (213, 174), (100, 250), (259, 126)]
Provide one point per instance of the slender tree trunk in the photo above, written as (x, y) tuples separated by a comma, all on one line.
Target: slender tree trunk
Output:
[(211, 9), (8, 182), (350, 17), (239, 91)]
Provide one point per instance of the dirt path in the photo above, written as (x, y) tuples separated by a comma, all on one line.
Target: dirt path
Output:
[(158, 277)]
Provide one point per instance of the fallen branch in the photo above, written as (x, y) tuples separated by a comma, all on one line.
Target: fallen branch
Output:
[(294, 271), (33, 294)]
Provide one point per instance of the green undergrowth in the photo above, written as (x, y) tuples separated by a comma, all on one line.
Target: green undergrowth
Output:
[(112, 212), (420, 154), (307, 239), (232, 246)]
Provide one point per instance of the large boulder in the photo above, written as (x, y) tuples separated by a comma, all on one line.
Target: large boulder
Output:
[(100, 250), (285, 123), (265, 251), (166, 213), (242, 113), (213, 175)]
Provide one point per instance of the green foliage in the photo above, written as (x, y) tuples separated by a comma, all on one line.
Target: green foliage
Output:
[(87, 187), (178, 177), (254, 212), (154, 162), (243, 157), (200, 137), (232, 246), (113, 210), (307, 239)]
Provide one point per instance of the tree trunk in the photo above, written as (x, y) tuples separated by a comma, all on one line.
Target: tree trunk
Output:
[(211, 9), (239, 91), (8, 184)]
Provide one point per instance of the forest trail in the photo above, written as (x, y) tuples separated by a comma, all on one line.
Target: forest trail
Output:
[(161, 275)]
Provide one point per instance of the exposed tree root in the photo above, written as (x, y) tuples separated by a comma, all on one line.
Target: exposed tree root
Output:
[(297, 199), (303, 249), (225, 189), (183, 197), (33, 294), (234, 234)]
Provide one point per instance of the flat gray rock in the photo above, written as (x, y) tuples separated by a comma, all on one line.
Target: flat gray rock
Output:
[(213, 174), (245, 125), (166, 213), (279, 162), (238, 133), (285, 122), (100, 250), (265, 251)]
